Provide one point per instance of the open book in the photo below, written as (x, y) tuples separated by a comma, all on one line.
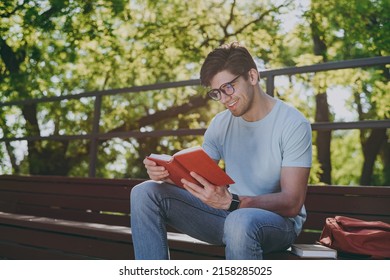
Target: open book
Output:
[(193, 159), (313, 251)]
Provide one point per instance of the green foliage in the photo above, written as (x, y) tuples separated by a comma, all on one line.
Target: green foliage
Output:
[(56, 48), (346, 153)]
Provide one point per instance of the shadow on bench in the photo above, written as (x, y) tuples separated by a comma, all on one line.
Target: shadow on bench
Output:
[(44, 217)]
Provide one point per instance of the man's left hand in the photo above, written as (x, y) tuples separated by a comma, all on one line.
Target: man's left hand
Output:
[(215, 196)]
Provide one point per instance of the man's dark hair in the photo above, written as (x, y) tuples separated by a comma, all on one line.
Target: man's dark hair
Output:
[(231, 57)]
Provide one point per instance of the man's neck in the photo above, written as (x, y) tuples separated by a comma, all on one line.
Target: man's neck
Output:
[(261, 107)]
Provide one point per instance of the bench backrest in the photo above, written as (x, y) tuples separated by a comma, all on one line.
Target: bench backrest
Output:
[(95, 200)]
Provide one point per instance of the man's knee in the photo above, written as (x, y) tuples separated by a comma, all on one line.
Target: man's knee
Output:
[(237, 225), (246, 223), (143, 192)]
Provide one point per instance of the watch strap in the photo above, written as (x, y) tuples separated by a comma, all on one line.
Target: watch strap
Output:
[(235, 203)]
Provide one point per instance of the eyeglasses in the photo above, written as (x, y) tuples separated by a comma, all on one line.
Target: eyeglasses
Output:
[(226, 88)]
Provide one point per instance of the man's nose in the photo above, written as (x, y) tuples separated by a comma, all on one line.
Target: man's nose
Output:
[(224, 98)]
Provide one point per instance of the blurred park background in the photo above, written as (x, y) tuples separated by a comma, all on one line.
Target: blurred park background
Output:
[(145, 57)]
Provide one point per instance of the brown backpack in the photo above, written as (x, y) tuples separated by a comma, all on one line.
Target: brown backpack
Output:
[(356, 236)]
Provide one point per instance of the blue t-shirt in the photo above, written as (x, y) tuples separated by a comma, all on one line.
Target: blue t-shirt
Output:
[(255, 152)]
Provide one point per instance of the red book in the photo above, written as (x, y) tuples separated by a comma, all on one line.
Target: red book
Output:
[(193, 159)]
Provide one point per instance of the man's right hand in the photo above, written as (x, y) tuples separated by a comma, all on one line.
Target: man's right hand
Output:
[(156, 172)]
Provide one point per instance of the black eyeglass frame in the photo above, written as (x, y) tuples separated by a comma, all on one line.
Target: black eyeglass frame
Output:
[(221, 90)]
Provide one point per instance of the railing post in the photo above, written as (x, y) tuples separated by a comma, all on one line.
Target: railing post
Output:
[(270, 85), (94, 136)]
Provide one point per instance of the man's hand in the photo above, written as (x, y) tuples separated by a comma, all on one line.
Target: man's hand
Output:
[(156, 172), (215, 196)]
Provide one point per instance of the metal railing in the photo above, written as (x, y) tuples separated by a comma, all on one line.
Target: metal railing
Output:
[(268, 75)]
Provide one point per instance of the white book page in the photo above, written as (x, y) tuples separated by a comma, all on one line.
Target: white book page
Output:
[(161, 157)]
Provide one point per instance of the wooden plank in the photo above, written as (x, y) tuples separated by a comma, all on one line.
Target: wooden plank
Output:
[(69, 180), (13, 251), (67, 188), (94, 230), (350, 190), (67, 201), (197, 248), (110, 218), (90, 187), (348, 204), (185, 255), (75, 244)]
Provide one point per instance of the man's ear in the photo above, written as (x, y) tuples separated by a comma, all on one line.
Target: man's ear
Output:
[(254, 76)]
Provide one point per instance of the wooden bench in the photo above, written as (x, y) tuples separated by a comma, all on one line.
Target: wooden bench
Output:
[(44, 217)]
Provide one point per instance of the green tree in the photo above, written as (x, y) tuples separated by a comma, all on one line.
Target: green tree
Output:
[(51, 48), (54, 48), (343, 30)]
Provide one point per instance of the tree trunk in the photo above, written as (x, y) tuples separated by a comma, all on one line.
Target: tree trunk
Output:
[(323, 138), (371, 149), (322, 108), (374, 143)]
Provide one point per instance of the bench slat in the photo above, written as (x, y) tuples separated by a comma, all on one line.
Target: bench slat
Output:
[(371, 205), (24, 252), (67, 188), (91, 217), (75, 244), (66, 201)]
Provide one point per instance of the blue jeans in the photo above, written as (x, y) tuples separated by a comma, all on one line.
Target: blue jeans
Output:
[(247, 233)]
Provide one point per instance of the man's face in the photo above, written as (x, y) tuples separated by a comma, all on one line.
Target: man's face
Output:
[(240, 102)]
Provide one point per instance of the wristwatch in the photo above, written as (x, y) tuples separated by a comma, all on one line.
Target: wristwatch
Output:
[(235, 203)]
